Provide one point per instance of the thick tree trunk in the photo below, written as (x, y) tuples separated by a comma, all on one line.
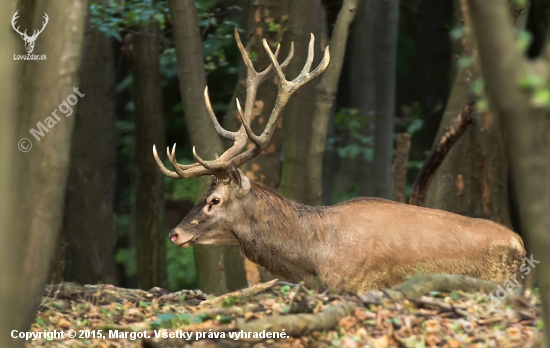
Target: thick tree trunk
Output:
[(88, 224), (326, 94), (305, 18), (148, 206), (386, 30), (219, 268), (11, 233), (525, 124), (48, 84), (264, 20), (472, 180)]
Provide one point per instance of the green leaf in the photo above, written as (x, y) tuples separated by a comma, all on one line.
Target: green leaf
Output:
[(478, 86), (143, 304), (465, 62), (458, 33), (530, 82), (541, 98)]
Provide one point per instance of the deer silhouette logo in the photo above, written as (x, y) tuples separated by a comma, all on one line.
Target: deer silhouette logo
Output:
[(29, 40)]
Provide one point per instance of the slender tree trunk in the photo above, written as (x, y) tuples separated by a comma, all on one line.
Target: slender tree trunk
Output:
[(219, 268), (327, 89), (525, 124), (386, 55), (48, 84), (304, 19), (11, 242), (88, 225), (148, 180)]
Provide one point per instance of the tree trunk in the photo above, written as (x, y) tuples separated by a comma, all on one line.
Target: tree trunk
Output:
[(326, 93), (11, 233), (526, 127), (48, 84), (386, 30), (220, 269), (148, 180), (304, 19), (472, 180), (88, 224)]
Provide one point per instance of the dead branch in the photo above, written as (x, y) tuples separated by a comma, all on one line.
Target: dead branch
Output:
[(300, 324), (437, 155), (243, 292)]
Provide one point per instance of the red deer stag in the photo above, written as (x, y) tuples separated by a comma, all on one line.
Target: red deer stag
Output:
[(361, 244)]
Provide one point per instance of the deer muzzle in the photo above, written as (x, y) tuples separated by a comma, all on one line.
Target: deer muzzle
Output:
[(181, 238)]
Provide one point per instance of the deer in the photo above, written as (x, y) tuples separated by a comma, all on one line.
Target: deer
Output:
[(29, 40), (355, 246)]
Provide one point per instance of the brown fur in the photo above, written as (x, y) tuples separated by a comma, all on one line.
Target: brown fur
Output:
[(358, 245)]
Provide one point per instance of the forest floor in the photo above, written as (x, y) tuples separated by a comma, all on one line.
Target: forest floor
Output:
[(279, 314)]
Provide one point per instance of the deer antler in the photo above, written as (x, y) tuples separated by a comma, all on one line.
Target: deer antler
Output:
[(35, 33), (240, 138), (13, 22)]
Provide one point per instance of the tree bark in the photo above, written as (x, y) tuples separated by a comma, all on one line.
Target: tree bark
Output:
[(304, 19), (438, 154), (362, 92), (148, 180), (526, 127), (88, 223), (11, 233), (48, 83), (264, 20), (386, 31), (400, 166), (220, 269), (472, 180), (326, 93)]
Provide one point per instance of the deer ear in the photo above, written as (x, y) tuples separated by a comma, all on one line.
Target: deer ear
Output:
[(239, 180), (234, 174)]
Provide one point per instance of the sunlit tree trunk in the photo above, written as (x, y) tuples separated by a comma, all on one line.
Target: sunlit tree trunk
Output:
[(326, 96), (48, 83), (148, 180), (219, 268)]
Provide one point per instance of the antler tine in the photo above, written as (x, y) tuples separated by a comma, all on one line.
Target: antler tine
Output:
[(235, 153), (221, 131), (286, 88), (166, 171)]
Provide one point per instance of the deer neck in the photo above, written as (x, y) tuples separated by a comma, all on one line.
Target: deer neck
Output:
[(280, 234)]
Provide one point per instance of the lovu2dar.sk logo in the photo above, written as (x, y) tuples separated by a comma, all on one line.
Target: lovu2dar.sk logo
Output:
[(29, 40)]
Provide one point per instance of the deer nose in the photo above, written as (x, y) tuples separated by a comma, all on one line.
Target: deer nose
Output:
[(174, 235)]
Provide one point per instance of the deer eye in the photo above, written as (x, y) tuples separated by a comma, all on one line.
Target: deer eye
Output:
[(215, 201)]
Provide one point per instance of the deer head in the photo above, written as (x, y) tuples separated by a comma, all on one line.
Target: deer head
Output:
[(209, 221), (29, 40)]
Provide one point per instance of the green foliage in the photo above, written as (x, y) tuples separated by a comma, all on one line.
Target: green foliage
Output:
[(113, 16), (458, 32), (181, 267), (524, 40), (353, 123), (536, 87)]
